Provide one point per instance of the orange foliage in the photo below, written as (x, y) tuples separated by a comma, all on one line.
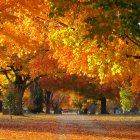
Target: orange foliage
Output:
[(136, 84), (26, 97), (104, 60), (36, 45), (24, 46)]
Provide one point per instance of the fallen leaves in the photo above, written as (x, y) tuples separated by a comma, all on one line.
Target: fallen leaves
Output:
[(70, 127)]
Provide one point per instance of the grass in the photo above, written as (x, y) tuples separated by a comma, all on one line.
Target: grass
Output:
[(69, 127)]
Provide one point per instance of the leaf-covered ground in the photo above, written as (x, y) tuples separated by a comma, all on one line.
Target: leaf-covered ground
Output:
[(70, 127)]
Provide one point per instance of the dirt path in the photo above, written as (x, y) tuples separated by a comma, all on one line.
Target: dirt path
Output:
[(79, 128), (83, 125)]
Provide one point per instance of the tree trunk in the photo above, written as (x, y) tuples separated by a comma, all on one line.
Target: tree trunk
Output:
[(10, 113), (19, 88), (103, 105), (56, 109), (0, 106), (18, 110), (48, 101)]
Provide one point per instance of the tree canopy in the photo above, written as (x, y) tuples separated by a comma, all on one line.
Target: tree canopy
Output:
[(99, 39)]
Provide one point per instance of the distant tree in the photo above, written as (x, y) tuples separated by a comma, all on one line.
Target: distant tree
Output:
[(48, 100), (78, 105), (51, 87), (57, 99)]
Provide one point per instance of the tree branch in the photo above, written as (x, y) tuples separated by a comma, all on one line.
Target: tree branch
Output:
[(59, 22), (6, 74), (15, 70), (135, 57), (61, 100), (137, 44), (64, 25), (37, 78), (3, 86)]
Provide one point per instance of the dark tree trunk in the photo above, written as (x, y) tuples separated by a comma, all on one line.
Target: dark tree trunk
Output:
[(10, 113), (56, 109), (18, 110), (48, 101), (103, 105), (0, 106), (19, 88), (36, 98)]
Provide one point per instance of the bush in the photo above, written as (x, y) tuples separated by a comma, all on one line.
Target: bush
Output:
[(126, 99), (10, 102), (78, 105)]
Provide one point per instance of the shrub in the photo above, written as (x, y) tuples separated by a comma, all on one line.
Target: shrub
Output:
[(126, 99), (10, 102)]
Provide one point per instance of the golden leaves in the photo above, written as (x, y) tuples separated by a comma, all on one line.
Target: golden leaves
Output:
[(23, 37)]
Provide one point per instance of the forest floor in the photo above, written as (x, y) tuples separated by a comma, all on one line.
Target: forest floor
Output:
[(69, 127)]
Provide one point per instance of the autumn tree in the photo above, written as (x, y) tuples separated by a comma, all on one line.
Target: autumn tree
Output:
[(52, 88), (83, 86), (58, 99), (49, 85), (24, 48), (55, 89)]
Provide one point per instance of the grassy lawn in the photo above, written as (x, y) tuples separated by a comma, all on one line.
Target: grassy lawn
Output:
[(69, 127)]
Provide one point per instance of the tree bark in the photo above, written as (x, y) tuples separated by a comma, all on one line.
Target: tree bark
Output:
[(19, 88), (103, 105), (10, 113), (48, 101), (56, 109), (18, 110)]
